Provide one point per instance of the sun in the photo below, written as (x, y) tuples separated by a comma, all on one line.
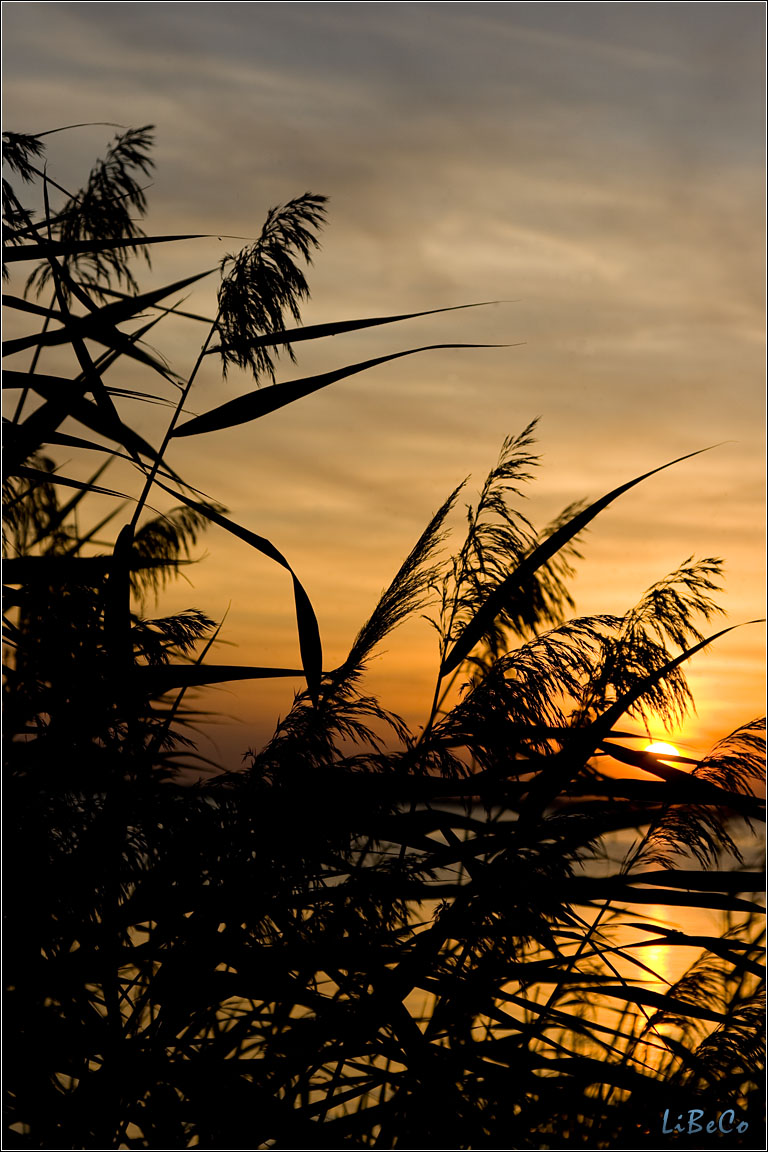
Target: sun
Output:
[(659, 748)]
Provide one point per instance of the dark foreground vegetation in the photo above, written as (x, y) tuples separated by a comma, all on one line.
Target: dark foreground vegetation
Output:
[(368, 937)]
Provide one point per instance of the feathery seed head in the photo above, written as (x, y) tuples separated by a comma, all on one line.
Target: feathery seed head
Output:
[(263, 284)]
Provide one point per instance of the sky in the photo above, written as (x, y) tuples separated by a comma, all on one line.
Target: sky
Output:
[(596, 168)]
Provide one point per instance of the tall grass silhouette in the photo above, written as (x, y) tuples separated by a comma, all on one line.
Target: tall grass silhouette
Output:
[(368, 936)]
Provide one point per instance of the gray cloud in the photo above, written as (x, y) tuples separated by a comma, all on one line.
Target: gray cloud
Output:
[(599, 163)]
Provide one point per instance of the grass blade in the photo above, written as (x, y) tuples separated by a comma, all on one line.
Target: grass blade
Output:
[(96, 325), (62, 569), (508, 588), (337, 328), (165, 677), (306, 621), (56, 248), (38, 428), (264, 400), (38, 476)]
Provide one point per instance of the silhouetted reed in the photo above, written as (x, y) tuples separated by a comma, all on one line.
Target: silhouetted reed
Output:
[(367, 936)]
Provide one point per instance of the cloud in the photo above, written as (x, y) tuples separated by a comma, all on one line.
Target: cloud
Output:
[(600, 165)]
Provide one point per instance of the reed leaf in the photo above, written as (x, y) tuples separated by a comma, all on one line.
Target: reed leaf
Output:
[(169, 676), (253, 405), (97, 325), (60, 248), (339, 327), (505, 592), (309, 633)]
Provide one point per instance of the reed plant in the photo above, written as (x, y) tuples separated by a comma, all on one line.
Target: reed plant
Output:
[(367, 936)]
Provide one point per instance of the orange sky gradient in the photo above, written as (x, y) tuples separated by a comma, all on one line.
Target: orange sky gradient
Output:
[(598, 168)]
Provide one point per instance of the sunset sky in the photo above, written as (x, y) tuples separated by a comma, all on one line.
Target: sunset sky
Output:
[(598, 168)]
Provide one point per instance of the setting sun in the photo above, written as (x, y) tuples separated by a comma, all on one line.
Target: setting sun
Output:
[(659, 748)]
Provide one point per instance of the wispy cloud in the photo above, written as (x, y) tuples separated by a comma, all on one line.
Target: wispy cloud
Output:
[(599, 164)]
